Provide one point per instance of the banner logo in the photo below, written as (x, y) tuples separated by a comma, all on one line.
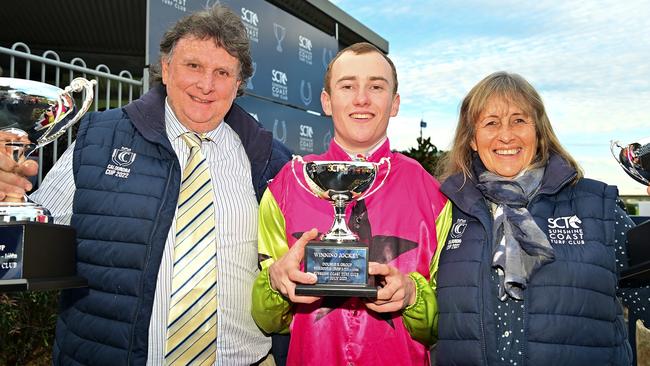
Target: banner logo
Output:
[(279, 77), (250, 20), (328, 55), (280, 32), (305, 96), (306, 131), (304, 49), (277, 126), (306, 142), (279, 85), (326, 140), (176, 4)]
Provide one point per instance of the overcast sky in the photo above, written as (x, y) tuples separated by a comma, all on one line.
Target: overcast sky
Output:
[(590, 61)]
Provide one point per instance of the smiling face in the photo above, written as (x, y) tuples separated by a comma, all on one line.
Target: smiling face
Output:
[(505, 138), (201, 81), (361, 100)]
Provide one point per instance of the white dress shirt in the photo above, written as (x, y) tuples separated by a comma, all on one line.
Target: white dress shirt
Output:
[(239, 340)]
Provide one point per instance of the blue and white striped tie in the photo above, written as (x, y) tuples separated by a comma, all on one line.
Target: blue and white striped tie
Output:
[(192, 322)]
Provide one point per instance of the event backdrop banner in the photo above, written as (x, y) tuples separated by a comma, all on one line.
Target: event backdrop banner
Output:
[(290, 57), (305, 133)]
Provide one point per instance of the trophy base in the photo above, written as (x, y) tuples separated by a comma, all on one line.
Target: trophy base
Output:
[(367, 291), (341, 269), (37, 256), (638, 273), (23, 211), (40, 284)]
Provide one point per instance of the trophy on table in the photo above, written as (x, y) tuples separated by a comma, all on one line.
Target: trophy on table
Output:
[(634, 158), (338, 259), (35, 253)]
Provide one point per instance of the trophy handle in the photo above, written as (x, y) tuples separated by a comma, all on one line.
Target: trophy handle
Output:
[(293, 170), (77, 85), (384, 160), (631, 171)]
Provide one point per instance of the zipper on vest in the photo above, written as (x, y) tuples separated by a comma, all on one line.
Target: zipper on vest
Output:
[(481, 289)]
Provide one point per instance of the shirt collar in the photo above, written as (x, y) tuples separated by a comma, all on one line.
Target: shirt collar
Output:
[(363, 155), (336, 153), (175, 128)]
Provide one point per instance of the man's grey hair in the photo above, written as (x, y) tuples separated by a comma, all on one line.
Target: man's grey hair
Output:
[(218, 23)]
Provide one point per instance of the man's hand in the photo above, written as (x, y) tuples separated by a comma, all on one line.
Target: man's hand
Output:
[(285, 273), (13, 184), (397, 290), (648, 189)]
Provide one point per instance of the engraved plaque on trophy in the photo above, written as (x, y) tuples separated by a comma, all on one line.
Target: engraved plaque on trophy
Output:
[(34, 253), (338, 259)]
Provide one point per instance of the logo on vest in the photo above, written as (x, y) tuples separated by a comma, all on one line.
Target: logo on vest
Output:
[(565, 230), (121, 159), (456, 232)]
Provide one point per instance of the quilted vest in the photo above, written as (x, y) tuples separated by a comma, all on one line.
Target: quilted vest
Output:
[(123, 207), (571, 313)]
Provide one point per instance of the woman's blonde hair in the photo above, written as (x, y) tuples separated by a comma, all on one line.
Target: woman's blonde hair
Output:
[(514, 89)]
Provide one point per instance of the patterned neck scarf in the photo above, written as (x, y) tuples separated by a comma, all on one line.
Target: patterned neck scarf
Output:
[(520, 247)]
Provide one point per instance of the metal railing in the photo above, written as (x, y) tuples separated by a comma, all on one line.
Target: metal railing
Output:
[(111, 91)]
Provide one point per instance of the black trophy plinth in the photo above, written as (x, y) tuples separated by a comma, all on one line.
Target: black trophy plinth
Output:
[(341, 268), (638, 250), (37, 256)]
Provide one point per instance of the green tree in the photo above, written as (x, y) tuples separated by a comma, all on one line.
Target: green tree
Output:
[(27, 321), (426, 153)]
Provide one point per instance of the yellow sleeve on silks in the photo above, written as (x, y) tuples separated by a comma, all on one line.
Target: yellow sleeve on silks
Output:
[(443, 225), (270, 310), (421, 318)]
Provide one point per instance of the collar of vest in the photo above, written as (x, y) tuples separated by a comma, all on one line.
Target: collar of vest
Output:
[(148, 116), (468, 198)]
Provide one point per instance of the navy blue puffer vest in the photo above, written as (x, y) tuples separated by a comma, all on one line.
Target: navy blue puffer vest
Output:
[(572, 315), (123, 207)]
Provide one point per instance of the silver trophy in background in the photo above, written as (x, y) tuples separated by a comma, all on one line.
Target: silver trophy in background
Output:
[(36, 254), (634, 158), (338, 259), (33, 114)]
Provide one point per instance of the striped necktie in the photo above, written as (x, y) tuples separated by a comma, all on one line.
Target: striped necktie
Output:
[(192, 322)]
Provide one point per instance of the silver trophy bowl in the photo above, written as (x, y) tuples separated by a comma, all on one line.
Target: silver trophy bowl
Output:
[(634, 158), (33, 114), (340, 182)]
